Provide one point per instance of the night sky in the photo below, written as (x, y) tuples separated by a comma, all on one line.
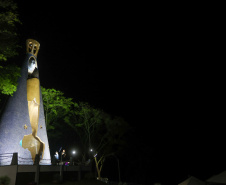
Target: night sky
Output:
[(145, 66)]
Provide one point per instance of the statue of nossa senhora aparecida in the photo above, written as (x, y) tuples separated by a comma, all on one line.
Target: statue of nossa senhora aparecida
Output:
[(32, 142)]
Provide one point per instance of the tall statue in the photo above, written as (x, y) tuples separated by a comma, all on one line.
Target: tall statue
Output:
[(22, 123), (32, 142)]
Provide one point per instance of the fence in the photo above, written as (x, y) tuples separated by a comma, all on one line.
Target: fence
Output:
[(11, 161), (14, 159), (6, 159)]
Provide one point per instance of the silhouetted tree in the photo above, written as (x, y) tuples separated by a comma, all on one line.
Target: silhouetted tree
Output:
[(96, 130)]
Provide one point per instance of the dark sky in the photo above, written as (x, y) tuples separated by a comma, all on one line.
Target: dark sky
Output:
[(93, 59), (146, 66)]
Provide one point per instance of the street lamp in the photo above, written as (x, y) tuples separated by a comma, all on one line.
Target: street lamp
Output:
[(73, 152)]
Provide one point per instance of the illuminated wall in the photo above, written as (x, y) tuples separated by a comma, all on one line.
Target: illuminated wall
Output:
[(22, 125)]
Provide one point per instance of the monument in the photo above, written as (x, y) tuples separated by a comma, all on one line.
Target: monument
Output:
[(22, 124)]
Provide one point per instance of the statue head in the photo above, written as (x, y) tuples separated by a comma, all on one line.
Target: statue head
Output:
[(32, 47)]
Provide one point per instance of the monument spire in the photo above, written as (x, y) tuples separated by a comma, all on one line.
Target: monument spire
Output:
[(22, 125)]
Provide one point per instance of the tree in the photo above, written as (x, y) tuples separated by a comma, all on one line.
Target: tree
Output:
[(85, 121), (98, 131), (8, 83), (8, 49), (8, 36), (8, 78), (56, 106), (112, 140), (8, 46)]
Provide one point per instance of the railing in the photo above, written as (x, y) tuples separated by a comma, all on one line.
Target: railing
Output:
[(27, 165), (14, 159), (22, 160), (6, 159), (45, 162)]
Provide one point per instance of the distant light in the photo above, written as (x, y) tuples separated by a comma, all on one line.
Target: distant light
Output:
[(73, 152), (91, 150)]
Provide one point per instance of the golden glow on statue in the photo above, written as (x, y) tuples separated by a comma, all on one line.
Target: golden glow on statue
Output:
[(33, 98), (32, 142), (32, 46)]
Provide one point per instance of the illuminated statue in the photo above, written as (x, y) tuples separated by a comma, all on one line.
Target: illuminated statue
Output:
[(32, 142), (22, 124)]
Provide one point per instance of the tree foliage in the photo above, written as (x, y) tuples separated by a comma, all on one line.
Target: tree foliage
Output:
[(56, 106), (97, 129), (8, 79), (9, 73), (8, 35), (93, 128)]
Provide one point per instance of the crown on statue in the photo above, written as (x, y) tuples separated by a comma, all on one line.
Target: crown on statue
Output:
[(32, 47)]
